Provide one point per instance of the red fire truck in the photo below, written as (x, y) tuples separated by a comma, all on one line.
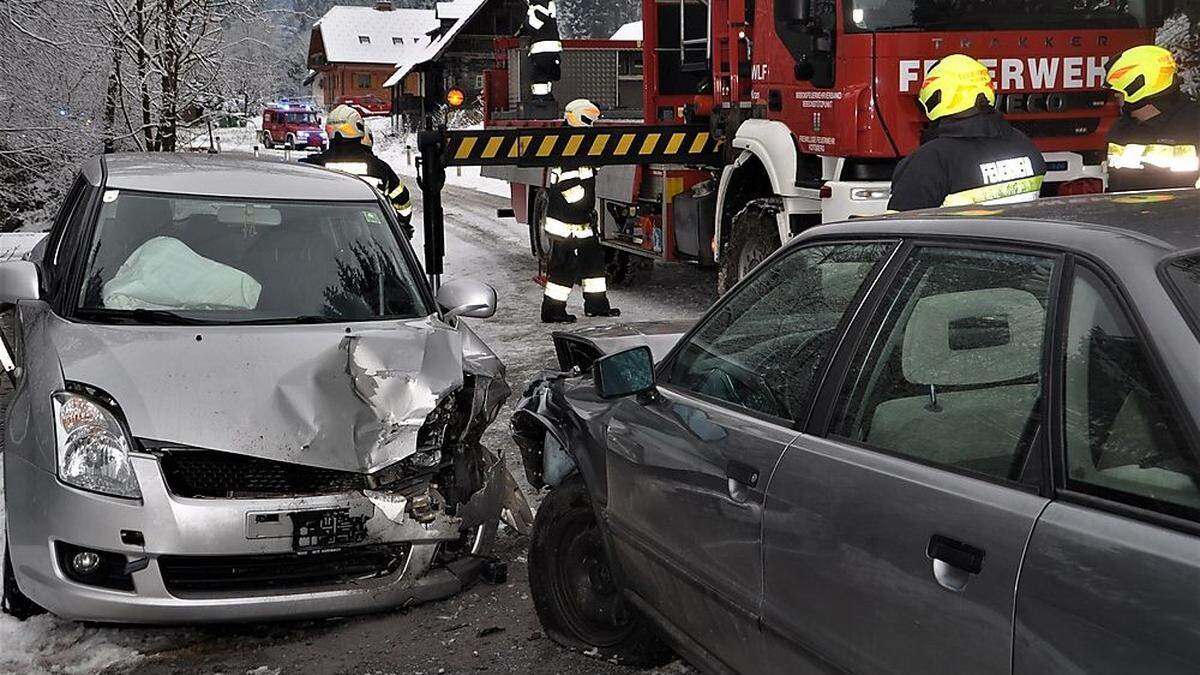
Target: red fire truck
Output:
[(292, 124), (815, 101)]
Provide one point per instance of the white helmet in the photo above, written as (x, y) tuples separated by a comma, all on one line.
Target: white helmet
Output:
[(345, 122), (582, 113)]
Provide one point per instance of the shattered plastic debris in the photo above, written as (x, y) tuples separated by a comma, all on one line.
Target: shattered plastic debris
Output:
[(390, 505)]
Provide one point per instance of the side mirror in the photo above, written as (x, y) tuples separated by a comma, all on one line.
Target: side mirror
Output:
[(466, 297), (624, 373), (18, 281)]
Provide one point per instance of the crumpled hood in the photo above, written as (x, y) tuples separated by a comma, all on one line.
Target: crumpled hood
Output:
[(323, 395)]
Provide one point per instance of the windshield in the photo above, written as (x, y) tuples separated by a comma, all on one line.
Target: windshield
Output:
[(300, 118), (884, 15), (1184, 275), (173, 259)]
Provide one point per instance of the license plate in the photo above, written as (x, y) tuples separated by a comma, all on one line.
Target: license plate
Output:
[(327, 529)]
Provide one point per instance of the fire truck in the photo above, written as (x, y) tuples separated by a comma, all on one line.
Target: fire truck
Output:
[(292, 124), (814, 103)]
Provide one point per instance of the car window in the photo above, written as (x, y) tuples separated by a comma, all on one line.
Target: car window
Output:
[(1121, 433), (950, 370), (1183, 273), (764, 348), (232, 261)]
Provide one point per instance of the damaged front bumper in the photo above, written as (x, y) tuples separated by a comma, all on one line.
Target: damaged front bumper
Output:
[(179, 560)]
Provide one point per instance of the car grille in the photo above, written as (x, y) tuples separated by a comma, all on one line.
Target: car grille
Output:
[(207, 574), (223, 475)]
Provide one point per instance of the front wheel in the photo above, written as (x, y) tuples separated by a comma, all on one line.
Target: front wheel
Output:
[(755, 235), (577, 601), (267, 141), (14, 602)]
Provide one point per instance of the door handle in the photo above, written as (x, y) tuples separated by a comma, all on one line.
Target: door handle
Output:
[(953, 561), (741, 478)]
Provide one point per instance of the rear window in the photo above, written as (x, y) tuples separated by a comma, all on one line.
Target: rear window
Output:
[(1184, 275)]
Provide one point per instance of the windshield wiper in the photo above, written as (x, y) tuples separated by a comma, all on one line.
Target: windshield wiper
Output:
[(159, 317), (303, 318)]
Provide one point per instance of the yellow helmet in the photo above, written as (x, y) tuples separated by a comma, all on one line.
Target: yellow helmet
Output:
[(344, 122), (1141, 72), (953, 85), (581, 113)]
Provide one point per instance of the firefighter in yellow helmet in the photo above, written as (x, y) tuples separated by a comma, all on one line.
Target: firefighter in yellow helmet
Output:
[(350, 150), (1154, 144), (969, 154), (575, 251)]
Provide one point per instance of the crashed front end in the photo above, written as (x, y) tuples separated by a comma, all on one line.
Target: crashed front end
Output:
[(560, 422), (338, 483)]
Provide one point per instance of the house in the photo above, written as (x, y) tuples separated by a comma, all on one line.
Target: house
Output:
[(353, 51), (462, 46)]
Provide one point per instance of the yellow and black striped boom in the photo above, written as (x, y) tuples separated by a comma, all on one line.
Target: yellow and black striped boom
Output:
[(597, 146)]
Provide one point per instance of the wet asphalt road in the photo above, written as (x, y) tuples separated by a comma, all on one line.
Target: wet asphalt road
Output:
[(490, 628)]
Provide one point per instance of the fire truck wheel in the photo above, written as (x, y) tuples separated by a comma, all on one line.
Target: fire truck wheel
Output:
[(754, 236), (266, 140), (539, 241), (626, 269)]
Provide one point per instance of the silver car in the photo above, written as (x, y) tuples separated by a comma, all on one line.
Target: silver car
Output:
[(237, 398), (962, 441)]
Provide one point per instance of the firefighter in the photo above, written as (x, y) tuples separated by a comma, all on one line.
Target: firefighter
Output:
[(545, 50), (575, 251), (350, 150), (1154, 143), (969, 154)]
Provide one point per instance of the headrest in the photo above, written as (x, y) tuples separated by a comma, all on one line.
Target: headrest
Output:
[(974, 337)]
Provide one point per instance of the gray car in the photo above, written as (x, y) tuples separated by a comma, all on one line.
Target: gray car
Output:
[(237, 398), (961, 441)]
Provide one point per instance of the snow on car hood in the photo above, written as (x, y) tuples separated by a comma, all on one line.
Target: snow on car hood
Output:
[(348, 398)]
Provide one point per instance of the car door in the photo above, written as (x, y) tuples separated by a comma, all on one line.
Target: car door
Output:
[(1111, 580), (687, 467), (892, 542)]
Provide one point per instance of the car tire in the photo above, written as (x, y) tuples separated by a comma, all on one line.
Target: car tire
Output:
[(267, 141), (14, 602), (755, 236), (577, 601)]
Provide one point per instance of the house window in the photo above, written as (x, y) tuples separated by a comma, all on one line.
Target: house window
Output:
[(397, 40), (364, 39), (362, 80)]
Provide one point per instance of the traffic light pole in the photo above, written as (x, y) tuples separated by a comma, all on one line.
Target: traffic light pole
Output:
[(431, 176)]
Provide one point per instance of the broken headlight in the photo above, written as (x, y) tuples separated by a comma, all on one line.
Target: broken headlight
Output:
[(93, 448)]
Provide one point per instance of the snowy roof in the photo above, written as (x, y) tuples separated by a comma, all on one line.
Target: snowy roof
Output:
[(367, 35), (461, 12), (630, 31)]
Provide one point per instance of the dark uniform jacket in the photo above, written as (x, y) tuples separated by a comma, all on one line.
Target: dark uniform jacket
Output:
[(351, 156), (541, 22), (572, 194), (979, 159), (1158, 153)]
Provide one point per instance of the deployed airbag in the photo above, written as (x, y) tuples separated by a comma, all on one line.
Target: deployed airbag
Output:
[(164, 273)]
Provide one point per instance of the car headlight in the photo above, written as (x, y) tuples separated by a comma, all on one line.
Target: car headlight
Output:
[(93, 449)]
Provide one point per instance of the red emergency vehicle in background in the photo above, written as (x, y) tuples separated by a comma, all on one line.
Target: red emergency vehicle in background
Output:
[(369, 105), (815, 101), (294, 124)]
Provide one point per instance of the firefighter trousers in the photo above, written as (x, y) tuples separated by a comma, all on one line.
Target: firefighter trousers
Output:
[(575, 259)]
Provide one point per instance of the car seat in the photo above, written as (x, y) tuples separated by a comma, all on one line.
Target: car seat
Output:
[(974, 352)]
